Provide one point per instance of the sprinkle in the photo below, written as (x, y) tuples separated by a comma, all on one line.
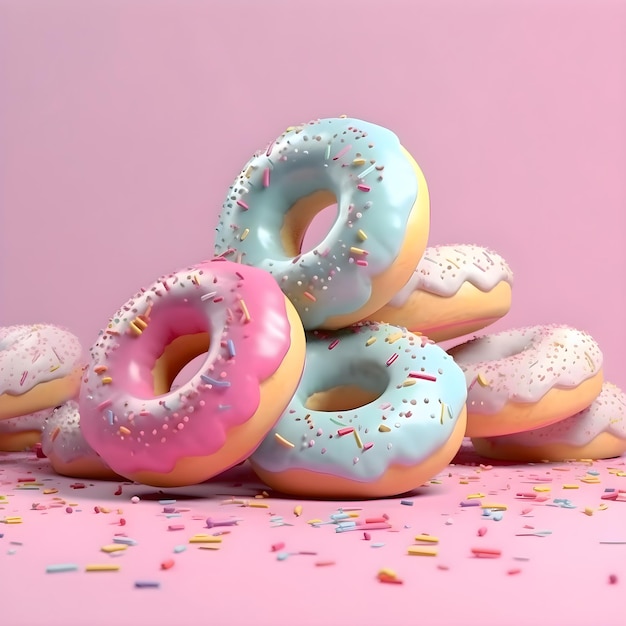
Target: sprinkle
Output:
[(370, 341), (427, 538), (147, 584), (482, 381), (494, 507), (102, 568), (208, 296), (489, 553), (113, 547), (361, 234), (243, 205), (61, 567), (345, 431), (202, 538), (213, 381), (383, 428), (612, 579), (406, 502), (362, 187), (231, 348), (391, 359), (123, 430), (422, 376), (297, 511), (24, 375), (359, 443), (367, 171), (333, 344), (341, 152), (422, 551), (514, 571), (324, 563), (244, 234), (409, 382), (266, 177), (127, 541), (367, 446), (179, 549), (107, 380), (482, 531), (443, 408), (245, 311), (359, 161), (168, 564), (590, 361), (327, 153), (310, 296), (355, 250), (453, 263), (283, 441)]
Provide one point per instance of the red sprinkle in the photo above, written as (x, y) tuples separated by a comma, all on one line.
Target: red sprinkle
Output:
[(118, 491), (367, 536), (277, 547), (487, 553), (122, 521), (612, 579), (514, 571), (482, 531), (167, 564)]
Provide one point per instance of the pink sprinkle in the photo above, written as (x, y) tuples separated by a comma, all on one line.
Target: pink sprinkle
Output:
[(266, 177), (367, 446), (341, 153), (391, 359), (361, 263), (514, 571), (24, 375), (612, 579), (243, 205), (122, 521), (367, 536), (345, 431), (422, 376), (276, 547), (482, 531), (362, 187), (105, 404), (270, 148), (333, 344), (310, 296), (525, 511), (69, 509)]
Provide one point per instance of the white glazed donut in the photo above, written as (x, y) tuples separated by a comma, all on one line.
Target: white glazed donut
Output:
[(63, 443), (376, 240), (22, 433), (40, 368), (528, 378), (378, 412), (455, 290), (597, 432)]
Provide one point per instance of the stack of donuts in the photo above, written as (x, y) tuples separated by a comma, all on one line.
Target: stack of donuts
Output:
[(318, 366)]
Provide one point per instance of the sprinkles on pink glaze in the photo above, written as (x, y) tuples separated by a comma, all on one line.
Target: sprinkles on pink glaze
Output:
[(607, 414), (443, 270), (360, 166), (30, 355), (522, 365), (422, 393), (244, 314)]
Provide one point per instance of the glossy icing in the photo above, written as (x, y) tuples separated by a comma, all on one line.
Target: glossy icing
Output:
[(422, 392), (62, 438), (244, 313), (607, 414), (375, 187), (34, 354), (522, 365), (442, 271)]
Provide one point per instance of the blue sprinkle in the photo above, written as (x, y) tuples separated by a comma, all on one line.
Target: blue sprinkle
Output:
[(1, 535), (346, 524), (470, 503), (376, 545), (170, 515), (127, 541), (486, 513), (167, 501), (496, 517), (178, 549), (213, 381), (339, 516), (607, 490), (147, 584), (593, 472), (110, 416), (61, 567), (231, 348), (407, 502), (281, 556)]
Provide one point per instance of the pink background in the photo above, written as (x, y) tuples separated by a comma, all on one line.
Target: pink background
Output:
[(123, 123)]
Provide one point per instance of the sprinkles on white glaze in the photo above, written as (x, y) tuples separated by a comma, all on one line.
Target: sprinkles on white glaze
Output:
[(235, 312), (522, 365), (422, 393), (359, 166), (32, 421), (442, 271)]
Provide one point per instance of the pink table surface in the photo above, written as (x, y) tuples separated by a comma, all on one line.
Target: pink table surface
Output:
[(558, 578)]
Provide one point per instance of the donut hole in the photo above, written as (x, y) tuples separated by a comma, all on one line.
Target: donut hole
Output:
[(365, 383), (181, 359), (308, 221)]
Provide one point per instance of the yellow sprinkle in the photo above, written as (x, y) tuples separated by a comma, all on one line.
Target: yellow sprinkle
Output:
[(603, 507), (482, 381), (297, 511), (124, 431), (209, 547), (12, 520), (541, 488), (427, 538), (496, 507), (258, 505), (358, 439), (283, 441), (133, 326), (393, 338), (142, 323), (205, 539), (244, 234), (383, 429), (590, 480), (315, 521), (195, 280), (113, 547), (453, 263), (408, 382), (290, 128), (588, 510), (49, 491), (463, 482), (422, 551), (355, 250), (249, 171), (620, 474), (370, 341), (244, 308), (102, 568), (475, 495), (353, 514), (361, 234), (106, 380), (358, 161), (570, 486), (443, 406), (56, 367)]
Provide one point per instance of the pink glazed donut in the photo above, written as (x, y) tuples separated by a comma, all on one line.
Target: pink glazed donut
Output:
[(528, 378), (253, 345)]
